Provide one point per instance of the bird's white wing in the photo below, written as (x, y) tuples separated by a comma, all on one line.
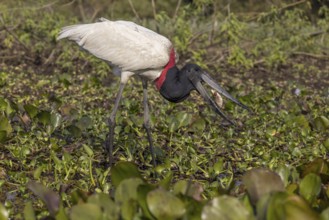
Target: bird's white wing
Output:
[(121, 43)]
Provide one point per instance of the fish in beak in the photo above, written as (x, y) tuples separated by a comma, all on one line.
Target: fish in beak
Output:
[(197, 76)]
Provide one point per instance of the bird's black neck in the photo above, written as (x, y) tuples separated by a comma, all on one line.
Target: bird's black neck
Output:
[(176, 86)]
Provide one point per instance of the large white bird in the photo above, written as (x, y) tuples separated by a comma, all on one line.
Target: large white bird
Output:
[(131, 50)]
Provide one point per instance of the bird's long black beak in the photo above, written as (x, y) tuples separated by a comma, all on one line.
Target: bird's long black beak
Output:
[(197, 80)]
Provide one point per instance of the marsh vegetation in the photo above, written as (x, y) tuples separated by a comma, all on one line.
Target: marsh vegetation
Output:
[(55, 100)]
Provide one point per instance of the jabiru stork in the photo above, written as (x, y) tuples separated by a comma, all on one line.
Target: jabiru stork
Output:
[(133, 50)]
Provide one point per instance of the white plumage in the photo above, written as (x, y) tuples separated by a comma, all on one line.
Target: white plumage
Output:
[(126, 46)]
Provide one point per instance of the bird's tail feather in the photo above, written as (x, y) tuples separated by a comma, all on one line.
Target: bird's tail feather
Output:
[(75, 33)]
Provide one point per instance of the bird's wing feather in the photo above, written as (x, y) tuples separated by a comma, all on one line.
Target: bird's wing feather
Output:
[(123, 44)]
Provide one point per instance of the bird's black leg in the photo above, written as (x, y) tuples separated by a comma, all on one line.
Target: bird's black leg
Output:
[(147, 125), (111, 124)]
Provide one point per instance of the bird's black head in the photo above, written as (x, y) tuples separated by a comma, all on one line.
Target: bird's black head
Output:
[(179, 83)]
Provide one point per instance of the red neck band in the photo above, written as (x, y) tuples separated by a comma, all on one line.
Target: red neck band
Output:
[(159, 81)]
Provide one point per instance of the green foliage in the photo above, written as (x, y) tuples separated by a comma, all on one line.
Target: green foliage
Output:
[(55, 101), (232, 31), (164, 205), (134, 198), (3, 213), (225, 207), (310, 187)]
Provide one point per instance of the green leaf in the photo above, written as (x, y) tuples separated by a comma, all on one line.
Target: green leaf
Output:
[(310, 187), (61, 214), (3, 213), (110, 209), (281, 205), (31, 110), (297, 208), (300, 121), (183, 119), (74, 131), (142, 191), (5, 128), (325, 214), (55, 120), (65, 79), (5, 106), (129, 209), (124, 170), (180, 187), (179, 120), (5, 125), (218, 166), (261, 181), (317, 166), (78, 196), (44, 117), (284, 172), (127, 189), (29, 211), (292, 188), (326, 144), (88, 150), (321, 123), (188, 188), (42, 83), (56, 101), (271, 206), (3, 136), (166, 181), (198, 125), (84, 123), (86, 211), (226, 208), (193, 208), (37, 172), (163, 205)]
